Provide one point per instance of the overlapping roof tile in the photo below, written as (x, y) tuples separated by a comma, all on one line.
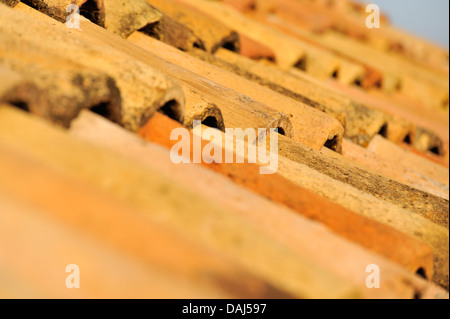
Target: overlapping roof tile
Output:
[(88, 125)]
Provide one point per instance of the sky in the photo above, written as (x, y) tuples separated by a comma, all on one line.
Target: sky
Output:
[(427, 18)]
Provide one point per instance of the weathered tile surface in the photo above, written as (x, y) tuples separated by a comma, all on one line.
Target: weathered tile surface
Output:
[(88, 118)]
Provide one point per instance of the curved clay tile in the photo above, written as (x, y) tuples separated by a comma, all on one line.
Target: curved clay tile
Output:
[(349, 18), (59, 95), (16, 90), (46, 191), (395, 169), (238, 110), (259, 236), (173, 33), (121, 19), (290, 51), (67, 56), (255, 50), (125, 19), (295, 231), (10, 3), (140, 15), (361, 122), (330, 163), (403, 118), (383, 148), (241, 5), (199, 109), (207, 224), (57, 9), (212, 33), (279, 188), (311, 127)]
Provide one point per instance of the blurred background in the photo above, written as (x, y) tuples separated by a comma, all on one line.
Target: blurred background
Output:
[(434, 17)]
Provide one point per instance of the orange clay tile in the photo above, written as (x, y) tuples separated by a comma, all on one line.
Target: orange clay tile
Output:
[(409, 160), (241, 5), (404, 122), (396, 168), (290, 51), (56, 9), (386, 39), (303, 118), (90, 75), (361, 121), (10, 3), (309, 68), (16, 90), (333, 164), (283, 225), (444, 162), (211, 34), (124, 20), (160, 199), (412, 79), (161, 257), (437, 121), (278, 189), (319, 16), (255, 50), (372, 207)]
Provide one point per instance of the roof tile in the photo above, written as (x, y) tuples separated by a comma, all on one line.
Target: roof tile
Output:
[(362, 150)]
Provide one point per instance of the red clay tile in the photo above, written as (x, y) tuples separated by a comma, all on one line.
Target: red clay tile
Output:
[(346, 223), (255, 50)]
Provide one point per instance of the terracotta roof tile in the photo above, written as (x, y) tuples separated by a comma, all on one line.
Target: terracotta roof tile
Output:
[(288, 50), (352, 23), (86, 154), (218, 229), (92, 74), (57, 8), (321, 127), (332, 164), (125, 19), (255, 50), (174, 257), (404, 120), (409, 78), (360, 122), (302, 201), (396, 168), (388, 150), (93, 128), (423, 84), (212, 34)]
